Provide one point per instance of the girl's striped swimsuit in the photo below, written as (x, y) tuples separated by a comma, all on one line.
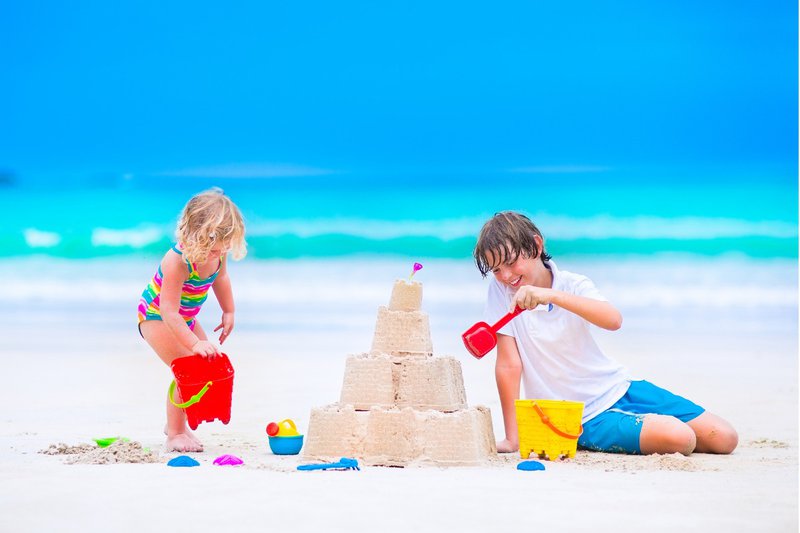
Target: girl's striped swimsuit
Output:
[(193, 293)]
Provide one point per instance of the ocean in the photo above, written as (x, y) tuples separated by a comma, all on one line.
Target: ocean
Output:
[(585, 214), (676, 255)]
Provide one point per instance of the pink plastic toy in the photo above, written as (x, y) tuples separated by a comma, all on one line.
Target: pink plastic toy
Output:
[(228, 460)]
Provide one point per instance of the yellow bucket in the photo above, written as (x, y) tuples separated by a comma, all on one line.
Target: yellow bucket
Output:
[(548, 428)]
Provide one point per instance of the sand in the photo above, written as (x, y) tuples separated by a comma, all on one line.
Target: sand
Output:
[(69, 381), (116, 453)]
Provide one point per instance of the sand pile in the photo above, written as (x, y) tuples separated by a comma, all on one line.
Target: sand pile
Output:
[(90, 454), (400, 404)]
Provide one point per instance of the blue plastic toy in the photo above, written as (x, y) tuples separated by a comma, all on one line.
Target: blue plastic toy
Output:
[(344, 463), (286, 445), (183, 460), (530, 466)]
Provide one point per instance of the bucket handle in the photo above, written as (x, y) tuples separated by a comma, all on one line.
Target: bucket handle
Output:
[(546, 421), (193, 400)]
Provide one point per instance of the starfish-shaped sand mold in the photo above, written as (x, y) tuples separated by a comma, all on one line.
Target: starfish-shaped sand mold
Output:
[(228, 460)]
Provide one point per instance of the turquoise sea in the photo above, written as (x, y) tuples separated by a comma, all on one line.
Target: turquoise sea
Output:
[(699, 249), (588, 213), (672, 252)]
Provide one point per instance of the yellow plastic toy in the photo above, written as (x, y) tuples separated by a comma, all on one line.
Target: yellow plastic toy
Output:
[(284, 428), (548, 428)]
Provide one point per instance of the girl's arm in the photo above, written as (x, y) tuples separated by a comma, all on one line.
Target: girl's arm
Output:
[(175, 272), (224, 294), (599, 313)]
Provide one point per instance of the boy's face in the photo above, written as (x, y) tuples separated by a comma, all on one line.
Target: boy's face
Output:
[(515, 272)]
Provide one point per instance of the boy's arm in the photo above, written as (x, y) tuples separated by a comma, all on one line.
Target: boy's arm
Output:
[(224, 295), (598, 312), (508, 372)]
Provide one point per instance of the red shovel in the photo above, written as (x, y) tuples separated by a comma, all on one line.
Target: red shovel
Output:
[(481, 338)]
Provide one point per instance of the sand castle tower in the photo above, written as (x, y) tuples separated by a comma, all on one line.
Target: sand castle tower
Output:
[(400, 404)]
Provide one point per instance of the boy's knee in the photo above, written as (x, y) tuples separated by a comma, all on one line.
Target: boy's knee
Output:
[(723, 440), (667, 434), (683, 441), (714, 434)]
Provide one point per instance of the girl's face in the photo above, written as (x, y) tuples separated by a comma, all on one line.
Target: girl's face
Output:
[(218, 250)]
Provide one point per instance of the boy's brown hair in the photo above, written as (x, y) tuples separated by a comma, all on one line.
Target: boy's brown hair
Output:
[(504, 237)]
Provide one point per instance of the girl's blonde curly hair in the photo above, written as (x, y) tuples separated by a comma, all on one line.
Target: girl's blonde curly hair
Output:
[(210, 218)]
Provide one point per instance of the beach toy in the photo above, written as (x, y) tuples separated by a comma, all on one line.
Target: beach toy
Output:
[(228, 460), (344, 463), (286, 445), (548, 428), (284, 438), (182, 460), (208, 385), (417, 267), (284, 428), (530, 466), (108, 441), (481, 338)]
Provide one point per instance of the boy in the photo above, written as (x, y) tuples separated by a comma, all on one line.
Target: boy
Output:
[(551, 349)]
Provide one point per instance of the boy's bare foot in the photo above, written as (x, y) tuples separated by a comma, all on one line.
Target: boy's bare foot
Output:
[(506, 446), (183, 443)]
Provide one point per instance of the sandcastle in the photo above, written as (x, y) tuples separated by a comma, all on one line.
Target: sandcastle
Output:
[(400, 404)]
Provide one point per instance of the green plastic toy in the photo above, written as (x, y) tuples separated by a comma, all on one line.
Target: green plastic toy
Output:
[(108, 441)]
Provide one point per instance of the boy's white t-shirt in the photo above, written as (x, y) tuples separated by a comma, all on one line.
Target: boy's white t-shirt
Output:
[(560, 358)]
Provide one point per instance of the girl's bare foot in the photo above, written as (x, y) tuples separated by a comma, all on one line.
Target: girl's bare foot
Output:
[(183, 443), (194, 437), (506, 446), (188, 432)]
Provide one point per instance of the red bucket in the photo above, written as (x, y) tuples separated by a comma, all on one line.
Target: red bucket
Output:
[(206, 386)]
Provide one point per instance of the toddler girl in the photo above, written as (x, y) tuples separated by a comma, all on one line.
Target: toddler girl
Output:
[(209, 228)]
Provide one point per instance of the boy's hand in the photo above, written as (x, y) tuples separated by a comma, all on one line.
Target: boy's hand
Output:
[(226, 326), (530, 296), (205, 349)]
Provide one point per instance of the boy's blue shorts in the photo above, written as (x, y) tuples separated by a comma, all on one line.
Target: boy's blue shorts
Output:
[(617, 429)]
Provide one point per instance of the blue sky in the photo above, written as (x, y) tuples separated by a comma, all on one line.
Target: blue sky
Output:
[(370, 88)]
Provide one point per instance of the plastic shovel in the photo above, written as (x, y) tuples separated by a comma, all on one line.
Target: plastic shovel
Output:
[(481, 338), (345, 463)]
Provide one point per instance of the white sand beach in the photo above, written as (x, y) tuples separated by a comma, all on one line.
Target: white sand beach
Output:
[(76, 369)]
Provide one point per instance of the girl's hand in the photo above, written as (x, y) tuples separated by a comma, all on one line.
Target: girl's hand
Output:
[(530, 296), (205, 349), (226, 326)]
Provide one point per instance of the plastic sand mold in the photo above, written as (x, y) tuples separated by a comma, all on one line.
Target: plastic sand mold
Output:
[(530, 466), (344, 463), (228, 460), (183, 460), (108, 441)]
